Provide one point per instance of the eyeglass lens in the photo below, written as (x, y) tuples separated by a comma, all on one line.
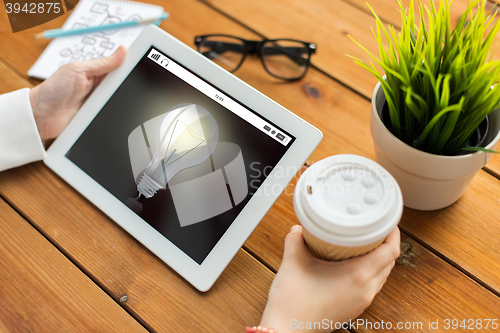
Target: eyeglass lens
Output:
[(227, 52), (285, 59)]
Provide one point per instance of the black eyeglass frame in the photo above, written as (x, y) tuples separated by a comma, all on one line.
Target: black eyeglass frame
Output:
[(255, 47)]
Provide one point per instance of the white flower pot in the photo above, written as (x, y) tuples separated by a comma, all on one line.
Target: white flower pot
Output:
[(428, 181)]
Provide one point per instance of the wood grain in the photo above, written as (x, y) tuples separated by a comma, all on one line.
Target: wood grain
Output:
[(157, 296), (403, 291), (419, 278), (466, 232), (388, 12), (328, 23), (11, 81), (12, 52), (343, 117), (348, 131), (42, 291), (4, 20), (325, 22)]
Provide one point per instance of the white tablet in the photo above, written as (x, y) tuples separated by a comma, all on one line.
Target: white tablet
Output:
[(183, 155)]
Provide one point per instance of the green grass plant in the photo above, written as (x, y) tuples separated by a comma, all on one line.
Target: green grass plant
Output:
[(440, 82)]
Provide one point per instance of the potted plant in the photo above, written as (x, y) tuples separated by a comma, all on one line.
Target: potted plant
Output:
[(435, 117)]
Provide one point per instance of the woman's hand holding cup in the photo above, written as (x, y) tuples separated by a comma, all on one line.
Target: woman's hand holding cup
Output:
[(339, 259), (307, 289)]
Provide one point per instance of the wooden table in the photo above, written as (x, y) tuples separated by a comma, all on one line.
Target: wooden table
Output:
[(66, 267)]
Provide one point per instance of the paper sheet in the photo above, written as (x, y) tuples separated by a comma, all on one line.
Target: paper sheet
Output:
[(96, 45)]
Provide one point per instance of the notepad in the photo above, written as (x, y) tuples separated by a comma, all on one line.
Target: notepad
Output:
[(63, 50)]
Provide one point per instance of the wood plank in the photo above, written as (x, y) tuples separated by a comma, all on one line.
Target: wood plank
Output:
[(4, 22), (11, 81), (420, 277), (337, 102), (17, 53), (331, 60), (388, 12), (421, 286), (328, 23), (493, 165), (412, 278), (121, 266), (325, 22), (157, 296), (41, 290), (349, 132), (319, 98), (462, 236), (179, 21), (224, 310)]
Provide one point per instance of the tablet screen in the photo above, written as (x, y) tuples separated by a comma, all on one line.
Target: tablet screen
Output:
[(182, 154)]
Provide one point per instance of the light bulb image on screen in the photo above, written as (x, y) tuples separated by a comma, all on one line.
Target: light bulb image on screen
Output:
[(198, 193), (186, 136)]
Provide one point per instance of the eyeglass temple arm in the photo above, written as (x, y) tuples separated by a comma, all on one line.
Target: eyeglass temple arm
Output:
[(294, 53), (224, 46)]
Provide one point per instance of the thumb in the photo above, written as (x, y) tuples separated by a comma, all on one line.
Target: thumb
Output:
[(295, 247), (102, 66)]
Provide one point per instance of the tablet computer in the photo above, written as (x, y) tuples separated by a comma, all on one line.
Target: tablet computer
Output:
[(181, 154)]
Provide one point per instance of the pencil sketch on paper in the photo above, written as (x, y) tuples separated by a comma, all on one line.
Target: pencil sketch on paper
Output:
[(99, 44), (96, 45)]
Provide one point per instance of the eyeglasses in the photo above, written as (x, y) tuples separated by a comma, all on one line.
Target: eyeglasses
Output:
[(286, 59)]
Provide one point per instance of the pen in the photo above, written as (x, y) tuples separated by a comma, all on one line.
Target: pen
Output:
[(63, 32)]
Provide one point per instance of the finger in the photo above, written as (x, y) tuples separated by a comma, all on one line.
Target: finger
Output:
[(381, 277), (295, 247), (383, 255), (103, 66), (394, 238)]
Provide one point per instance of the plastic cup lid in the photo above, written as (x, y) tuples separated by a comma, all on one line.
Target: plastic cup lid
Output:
[(348, 198)]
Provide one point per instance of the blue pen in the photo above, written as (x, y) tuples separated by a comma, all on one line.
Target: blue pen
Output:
[(63, 33)]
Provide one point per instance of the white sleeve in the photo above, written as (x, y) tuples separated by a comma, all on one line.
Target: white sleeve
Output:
[(20, 142)]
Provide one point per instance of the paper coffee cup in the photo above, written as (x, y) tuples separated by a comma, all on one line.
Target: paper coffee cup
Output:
[(347, 205)]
